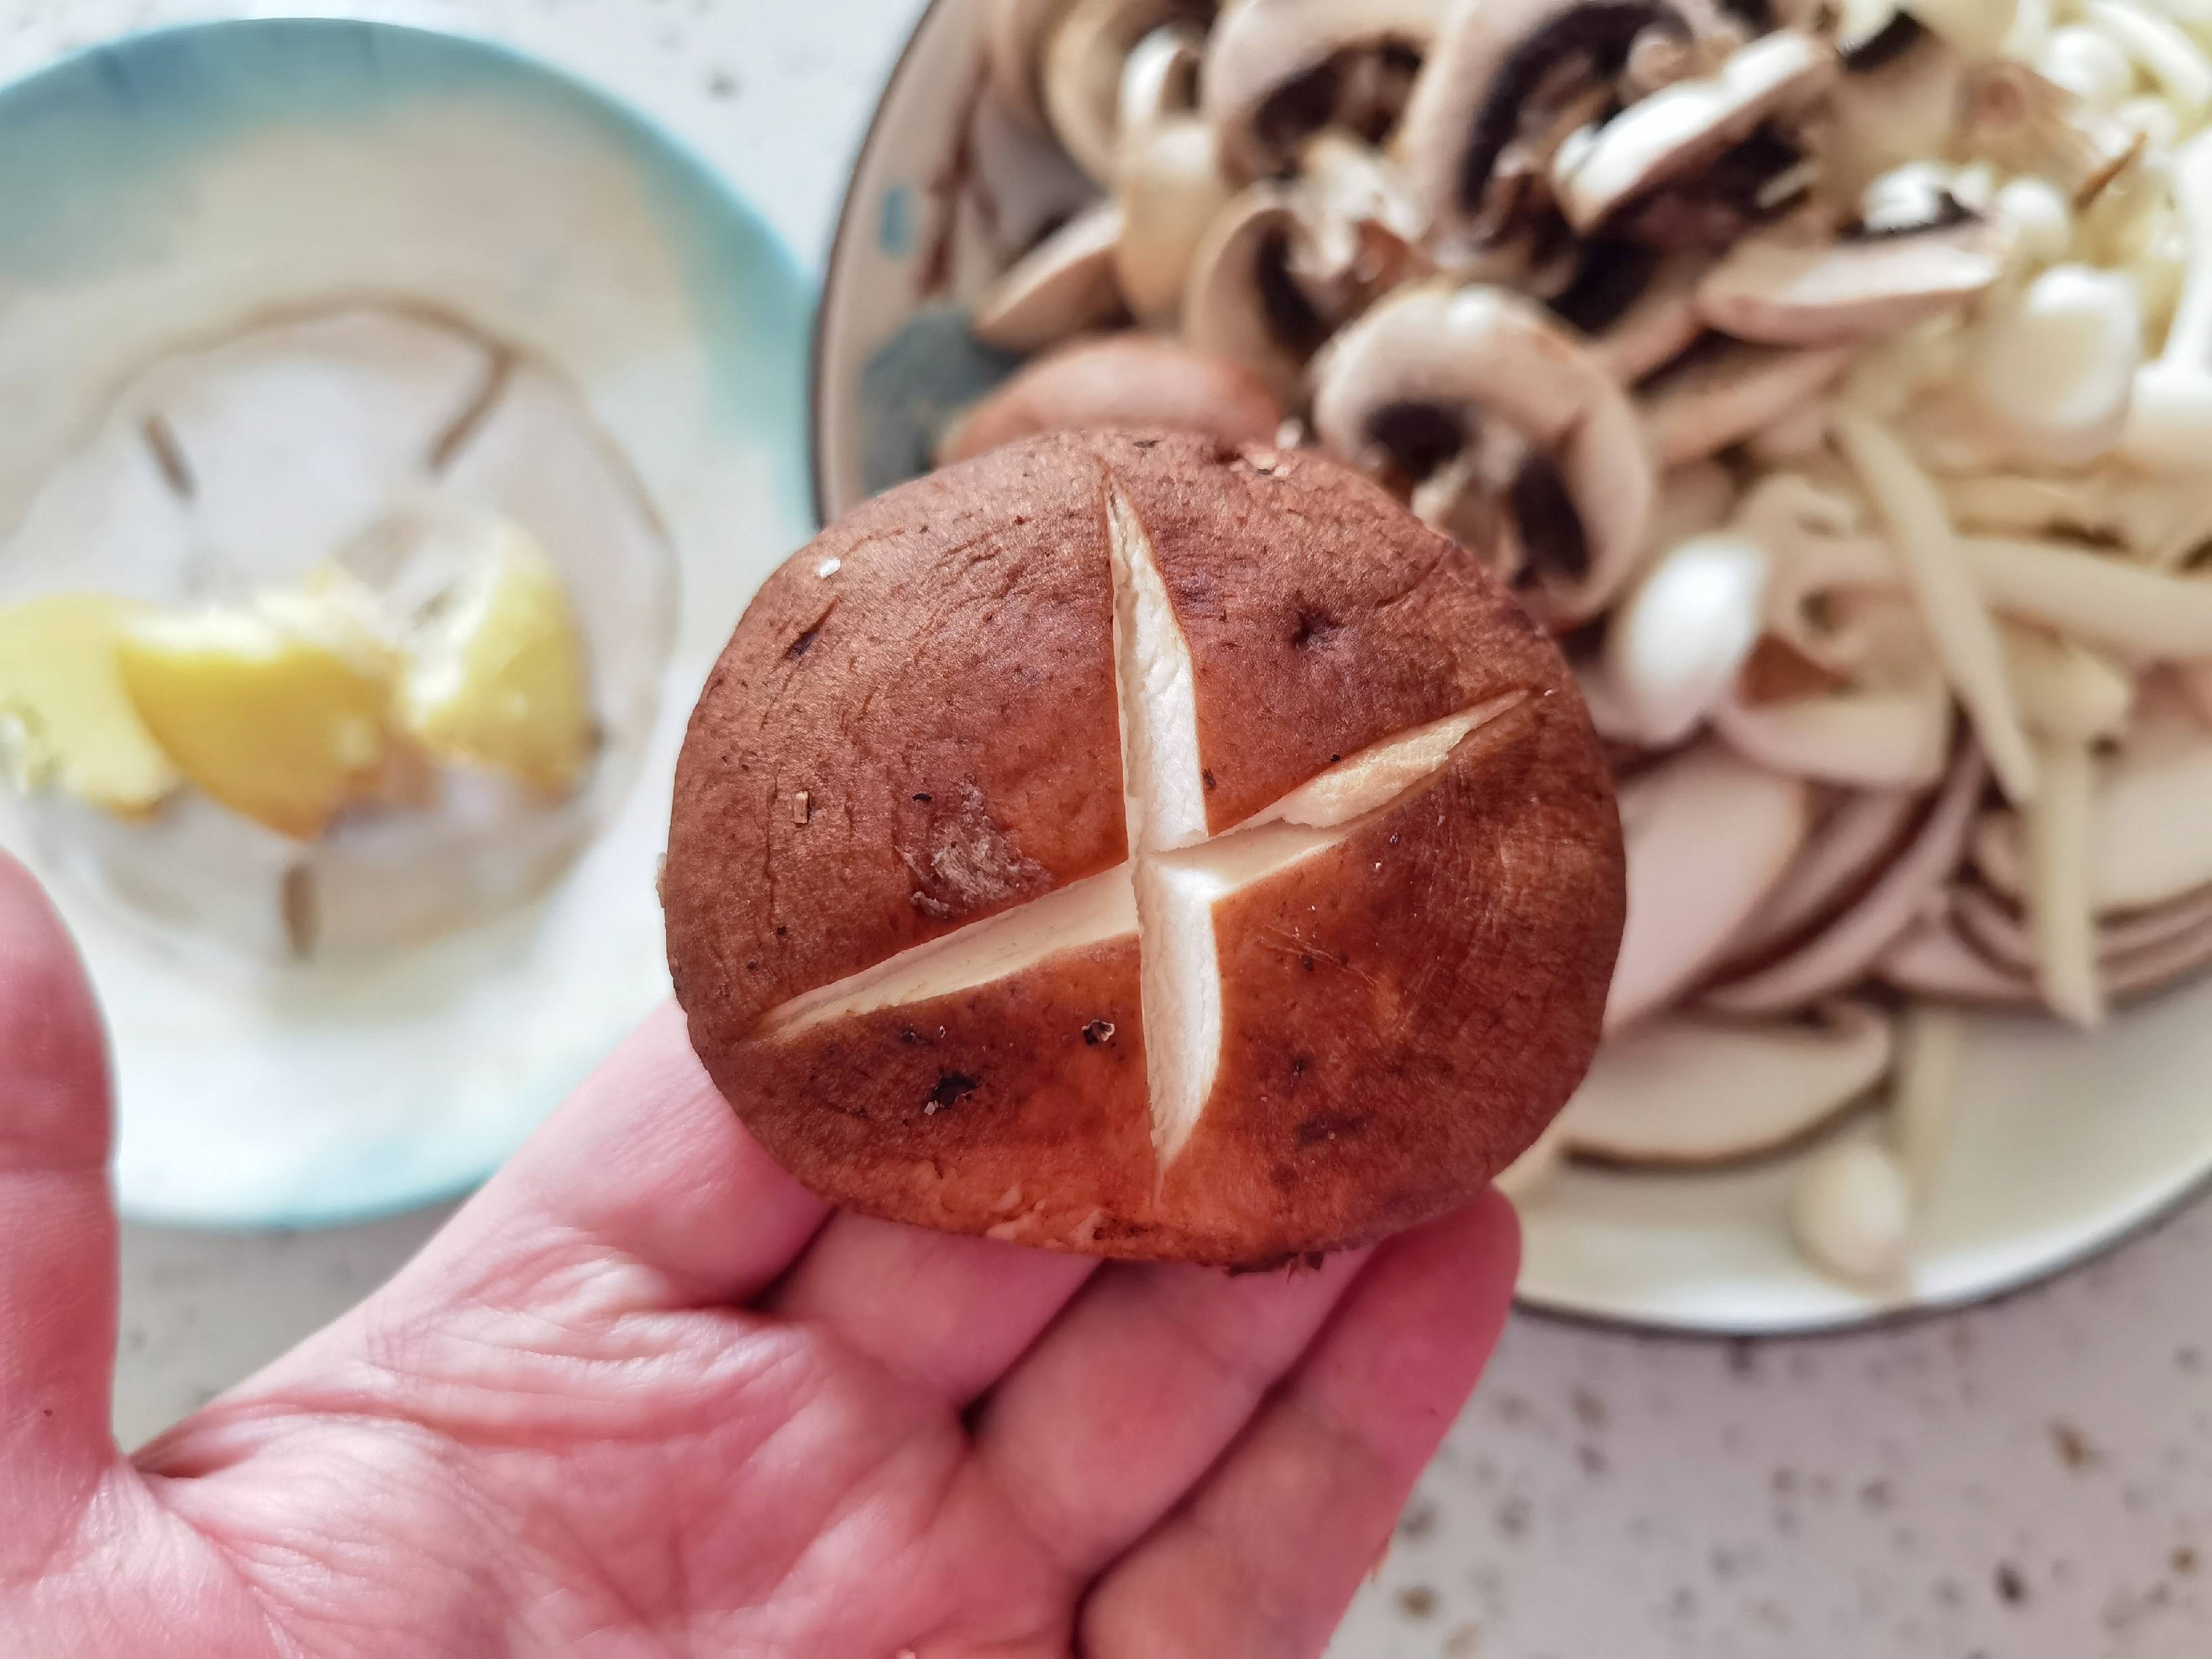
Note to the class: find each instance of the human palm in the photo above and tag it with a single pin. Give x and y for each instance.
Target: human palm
(643, 1395)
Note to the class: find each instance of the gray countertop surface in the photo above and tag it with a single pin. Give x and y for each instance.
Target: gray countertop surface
(2028, 1480)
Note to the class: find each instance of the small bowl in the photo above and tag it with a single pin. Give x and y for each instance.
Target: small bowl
(315, 235)
(2063, 1145)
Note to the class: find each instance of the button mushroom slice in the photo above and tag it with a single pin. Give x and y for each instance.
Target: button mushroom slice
(1279, 71)
(1720, 391)
(1840, 953)
(2148, 842)
(1676, 643)
(1159, 81)
(1014, 36)
(1708, 836)
(1691, 1090)
(1791, 286)
(1497, 69)
(1638, 304)
(1897, 101)
(1084, 59)
(1444, 360)
(1170, 189)
(1681, 128)
(1127, 380)
(1243, 302)
(1060, 287)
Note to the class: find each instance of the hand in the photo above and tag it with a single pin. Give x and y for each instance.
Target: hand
(643, 1395)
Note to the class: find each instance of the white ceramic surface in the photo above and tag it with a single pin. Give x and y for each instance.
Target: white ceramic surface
(2063, 1143)
(185, 187)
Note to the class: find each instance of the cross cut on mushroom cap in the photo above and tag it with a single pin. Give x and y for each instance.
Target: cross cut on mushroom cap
(1205, 860)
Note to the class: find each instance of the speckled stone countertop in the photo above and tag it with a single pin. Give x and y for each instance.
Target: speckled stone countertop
(2032, 1480)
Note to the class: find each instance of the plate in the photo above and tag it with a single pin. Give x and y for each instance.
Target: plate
(313, 222)
(2062, 1144)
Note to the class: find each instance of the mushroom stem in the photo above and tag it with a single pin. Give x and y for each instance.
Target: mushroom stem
(2092, 595)
(1931, 1042)
(2169, 424)
(1958, 619)
(2066, 691)
(2061, 909)
(2160, 49)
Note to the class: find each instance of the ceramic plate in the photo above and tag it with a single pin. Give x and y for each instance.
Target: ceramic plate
(253, 273)
(2064, 1144)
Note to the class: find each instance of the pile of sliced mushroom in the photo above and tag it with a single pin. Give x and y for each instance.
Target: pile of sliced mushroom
(1838, 387)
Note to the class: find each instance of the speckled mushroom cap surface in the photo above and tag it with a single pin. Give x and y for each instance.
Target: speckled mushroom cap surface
(1143, 846)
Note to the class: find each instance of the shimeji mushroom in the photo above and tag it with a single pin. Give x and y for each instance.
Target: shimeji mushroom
(2169, 420)
(1675, 642)
(2051, 367)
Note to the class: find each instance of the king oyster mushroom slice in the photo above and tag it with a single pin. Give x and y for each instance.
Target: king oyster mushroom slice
(2148, 844)
(2000, 930)
(1720, 391)
(1691, 1090)
(1681, 128)
(1838, 952)
(1931, 958)
(1412, 384)
(1279, 71)
(1862, 832)
(1796, 285)
(1502, 72)
(1085, 57)
(1884, 724)
(1060, 288)
(1708, 836)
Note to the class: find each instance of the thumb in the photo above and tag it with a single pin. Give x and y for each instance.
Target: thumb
(58, 1274)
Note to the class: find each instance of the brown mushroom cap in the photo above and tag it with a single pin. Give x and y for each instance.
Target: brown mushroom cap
(929, 736)
(1130, 381)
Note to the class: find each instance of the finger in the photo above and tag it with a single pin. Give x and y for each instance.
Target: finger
(1266, 1553)
(646, 1167)
(945, 1313)
(1130, 1397)
(57, 1242)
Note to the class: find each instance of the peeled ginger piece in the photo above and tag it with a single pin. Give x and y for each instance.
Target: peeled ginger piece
(498, 678)
(276, 708)
(66, 717)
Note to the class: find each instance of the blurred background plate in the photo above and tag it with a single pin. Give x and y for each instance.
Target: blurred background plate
(193, 186)
(2064, 1144)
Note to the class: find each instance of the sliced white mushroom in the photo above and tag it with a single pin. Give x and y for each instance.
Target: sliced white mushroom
(1673, 646)
(1064, 285)
(1708, 835)
(1084, 56)
(1159, 83)
(1838, 954)
(1692, 1089)
(1680, 127)
(1719, 394)
(1657, 326)
(1244, 302)
(2147, 839)
(2053, 365)
(1438, 362)
(1955, 612)
(1932, 959)
(1277, 73)
(1014, 36)
(1170, 189)
(1796, 285)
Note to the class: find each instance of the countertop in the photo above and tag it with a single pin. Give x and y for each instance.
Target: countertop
(2029, 1480)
